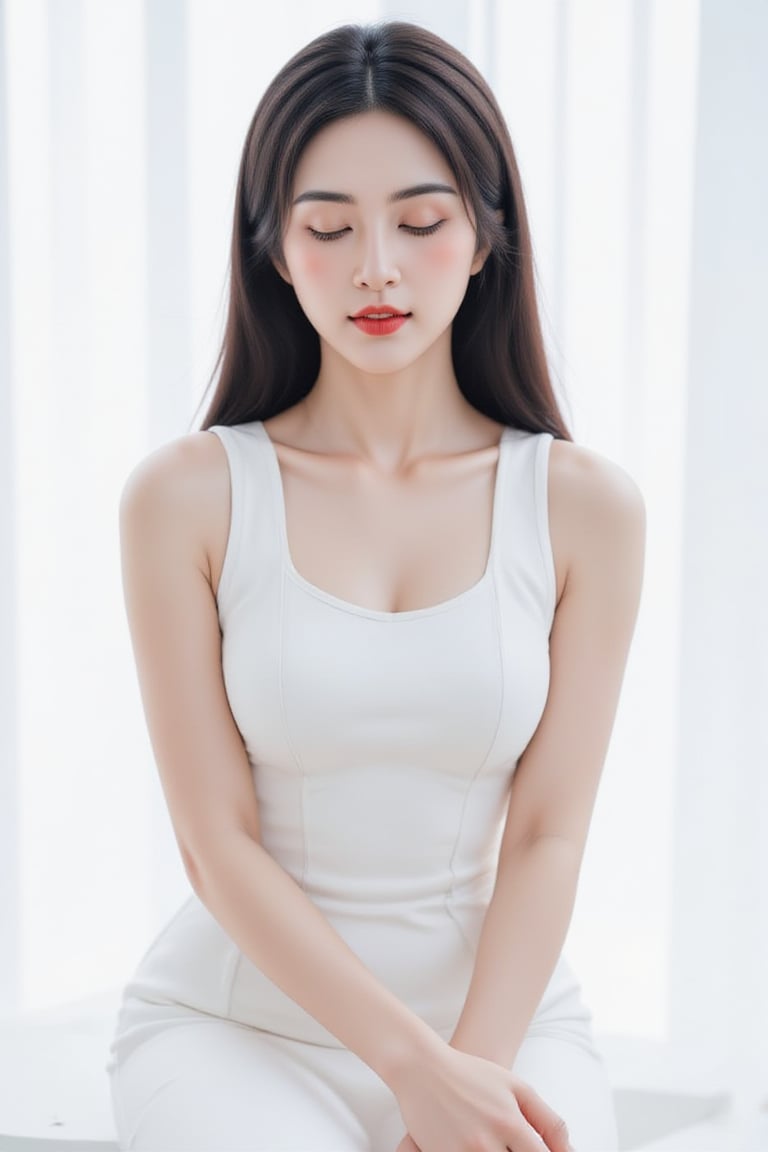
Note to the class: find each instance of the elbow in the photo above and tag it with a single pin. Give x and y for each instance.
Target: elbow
(553, 845)
(191, 867)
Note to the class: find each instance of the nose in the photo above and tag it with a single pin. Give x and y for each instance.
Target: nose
(376, 267)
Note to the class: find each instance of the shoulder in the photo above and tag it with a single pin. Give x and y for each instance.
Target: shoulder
(590, 484)
(181, 489)
(177, 472)
(597, 510)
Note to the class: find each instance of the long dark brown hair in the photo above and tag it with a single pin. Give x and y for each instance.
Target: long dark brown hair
(270, 355)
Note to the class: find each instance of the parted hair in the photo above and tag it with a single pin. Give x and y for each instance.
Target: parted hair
(270, 353)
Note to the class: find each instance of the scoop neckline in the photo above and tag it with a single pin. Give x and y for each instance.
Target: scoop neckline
(359, 609)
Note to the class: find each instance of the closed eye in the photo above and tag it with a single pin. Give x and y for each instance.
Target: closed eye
(328, 235)
(412, 229)
(426, 231)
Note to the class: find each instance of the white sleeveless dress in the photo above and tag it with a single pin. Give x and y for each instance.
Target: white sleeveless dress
(383, 746)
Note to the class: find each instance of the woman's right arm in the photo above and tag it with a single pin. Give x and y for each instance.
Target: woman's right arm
(173, 506)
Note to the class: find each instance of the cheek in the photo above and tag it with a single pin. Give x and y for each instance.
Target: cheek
(308, 264)
(449, 255)
(313, 265)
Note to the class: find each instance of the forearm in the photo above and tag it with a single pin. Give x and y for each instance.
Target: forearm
(279, 928)
(521, 939)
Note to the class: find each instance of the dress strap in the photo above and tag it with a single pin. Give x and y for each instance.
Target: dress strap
(524, 561)
(252, 562)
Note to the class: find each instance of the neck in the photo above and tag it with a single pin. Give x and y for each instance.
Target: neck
(389, 420)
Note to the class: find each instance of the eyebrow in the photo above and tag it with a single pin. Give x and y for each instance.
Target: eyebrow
(403, 194)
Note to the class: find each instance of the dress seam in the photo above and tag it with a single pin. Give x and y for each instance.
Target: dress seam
(286, 732)
(493, 573)
(233, 963)
(408, 616)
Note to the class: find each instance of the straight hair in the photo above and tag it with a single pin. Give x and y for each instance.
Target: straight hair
(270, 353)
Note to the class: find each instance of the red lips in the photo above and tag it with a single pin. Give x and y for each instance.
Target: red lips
(381, 321)
(381, 310)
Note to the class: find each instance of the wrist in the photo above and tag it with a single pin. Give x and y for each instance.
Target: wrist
(501, 1054)
(415, 1050)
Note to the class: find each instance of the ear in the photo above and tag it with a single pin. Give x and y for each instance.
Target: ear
(483, 253)
(480, 258)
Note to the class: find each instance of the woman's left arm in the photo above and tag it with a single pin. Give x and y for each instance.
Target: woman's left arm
(597, 527)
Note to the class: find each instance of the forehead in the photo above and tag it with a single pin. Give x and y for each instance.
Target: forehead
(376, 152)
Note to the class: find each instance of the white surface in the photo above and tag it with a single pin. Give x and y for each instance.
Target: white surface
(722, 1134)
(55, 1087)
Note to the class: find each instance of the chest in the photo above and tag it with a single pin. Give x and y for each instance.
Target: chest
(389, 543)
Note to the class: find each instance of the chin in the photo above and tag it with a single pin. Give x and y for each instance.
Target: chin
(383, 366)
(382, 361)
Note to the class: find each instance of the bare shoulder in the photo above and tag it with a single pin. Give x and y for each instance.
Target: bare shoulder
(590, 483)
(596, 509)
(182, 489)
(178, 470)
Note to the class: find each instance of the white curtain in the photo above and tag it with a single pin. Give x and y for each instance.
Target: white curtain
(636, 126)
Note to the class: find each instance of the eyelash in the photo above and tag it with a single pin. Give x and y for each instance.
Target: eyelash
(427, 231)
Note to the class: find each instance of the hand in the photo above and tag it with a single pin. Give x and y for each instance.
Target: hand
(457, 1102)
(407, 1145)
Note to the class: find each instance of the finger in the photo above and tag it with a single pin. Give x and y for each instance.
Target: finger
(407, 1144)
(543, 1119)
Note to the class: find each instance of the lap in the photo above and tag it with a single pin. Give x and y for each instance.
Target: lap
(215, 1085)
(208, 1085)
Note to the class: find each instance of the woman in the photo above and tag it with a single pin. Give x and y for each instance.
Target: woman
(381, 606)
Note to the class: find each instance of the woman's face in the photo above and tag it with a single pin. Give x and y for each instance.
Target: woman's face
(377, 223)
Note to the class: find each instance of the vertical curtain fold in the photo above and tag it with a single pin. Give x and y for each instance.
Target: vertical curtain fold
(10, 905)
(719, 932)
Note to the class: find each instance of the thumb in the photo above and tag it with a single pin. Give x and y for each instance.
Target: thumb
(543, 1119)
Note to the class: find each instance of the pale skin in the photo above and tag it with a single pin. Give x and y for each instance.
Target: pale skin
(386, 467)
